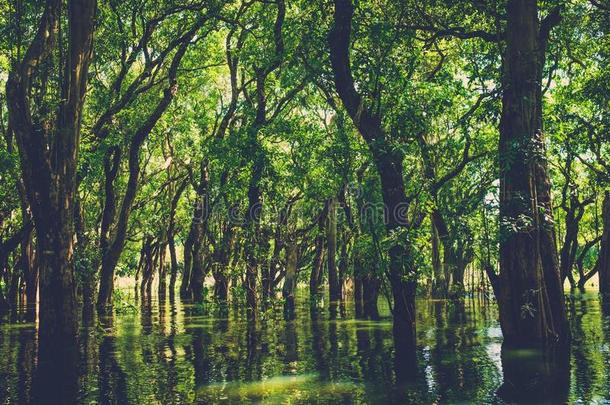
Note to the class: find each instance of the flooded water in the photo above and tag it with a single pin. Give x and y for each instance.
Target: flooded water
(178, 354)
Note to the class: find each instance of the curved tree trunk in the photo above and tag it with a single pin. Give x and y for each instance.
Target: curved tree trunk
(402, 271)
(112, 254)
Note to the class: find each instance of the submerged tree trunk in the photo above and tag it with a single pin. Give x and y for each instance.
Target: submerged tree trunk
(253, 243)
(440, 285)
(11, 278)
(27, 259)
(221, 262)
(188, 263)
(370, 294)
(584, 277)
(48, 163)
(29, 268)
(173, 270)
(334, 287)
(358, 297)
(290, 280)
(317, 266)
(200, 223)
(162, 286)
(530, 295)
(402, 271)
(343, 265)
(543, 376)
(276, 267)
(111, 169)
(148, 267)
(603, 261)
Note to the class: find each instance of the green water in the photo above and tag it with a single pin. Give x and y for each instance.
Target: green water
(179, 353)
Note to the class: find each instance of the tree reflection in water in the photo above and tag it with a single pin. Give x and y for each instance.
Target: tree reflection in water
(173, 353)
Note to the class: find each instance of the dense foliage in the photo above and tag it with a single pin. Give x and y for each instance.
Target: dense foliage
(238, 149)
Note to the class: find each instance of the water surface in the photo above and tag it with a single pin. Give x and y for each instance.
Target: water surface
(180, 353)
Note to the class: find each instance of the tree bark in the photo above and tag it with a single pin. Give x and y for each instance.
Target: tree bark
(334, 288)
(531, 300)
(162, 285)
(343, 265)
(603, 261)
(253, 239)
(200, 223)
(370, 294)
(358, 296)
(439, 285)
(171, 234)
(11, 278)
(290, 280)
(317, 266)
(111, 169)
(148, 265)
(188, 263)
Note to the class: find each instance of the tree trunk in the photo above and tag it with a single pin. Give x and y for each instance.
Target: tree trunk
(388, 160)
(343, 266)
(358, 296)
(222, 258)
(48, 163)
(569, 248)
(27, 260)
(200, 223)
(188, 264)
(221, 286)
(603, 261)
(290, 280)
(317, 266)
(334, 288)
(439, 286)
(173, 272)
(162, 286)
(148, 268)
(270, 273)
(253, 239)
(370, 294)
(111, 169)
(30, 271)
(531, 300)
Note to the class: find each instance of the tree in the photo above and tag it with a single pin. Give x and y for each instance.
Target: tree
(530, 294)
(389, 165)
(48, 149)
